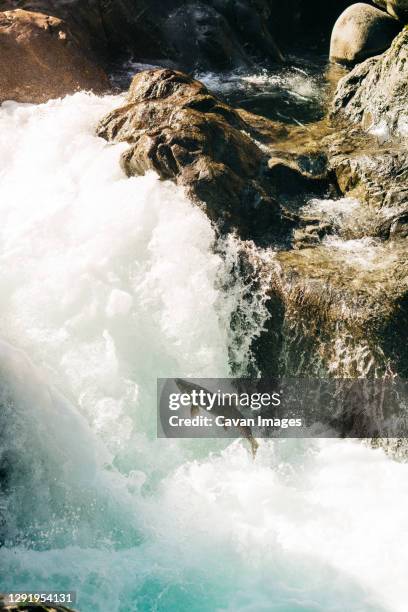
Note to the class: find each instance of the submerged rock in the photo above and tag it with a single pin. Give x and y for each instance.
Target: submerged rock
(175, 127)
(42, 59)
(361, 31)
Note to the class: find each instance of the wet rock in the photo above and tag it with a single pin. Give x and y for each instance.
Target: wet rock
(311, 235)
(175, 127)
(370, 160)
(375, 175)
(396, 8)
(360, 32)
(42, 59)
(298, 175)
(374, 94)
(394, 226)
(345, 308)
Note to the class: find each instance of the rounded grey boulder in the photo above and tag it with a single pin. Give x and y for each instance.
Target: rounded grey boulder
(360, 32)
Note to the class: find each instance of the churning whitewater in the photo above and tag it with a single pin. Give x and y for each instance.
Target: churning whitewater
(107, 283)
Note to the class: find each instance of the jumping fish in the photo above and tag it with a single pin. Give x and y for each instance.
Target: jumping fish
(230, 412)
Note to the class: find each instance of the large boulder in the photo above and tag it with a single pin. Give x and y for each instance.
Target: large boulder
(360, 32)
(175, 127)
(396, 8)
(202, 38)
(220, 36)
(375, 93)
(42, 59)
(178, 129)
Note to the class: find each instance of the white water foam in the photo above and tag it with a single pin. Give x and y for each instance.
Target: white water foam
(108, 283)
(364, 253)
(295, 82)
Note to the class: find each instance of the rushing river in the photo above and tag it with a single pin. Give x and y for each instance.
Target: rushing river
(107, 283)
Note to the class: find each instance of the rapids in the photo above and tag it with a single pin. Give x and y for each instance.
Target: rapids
(107, 283)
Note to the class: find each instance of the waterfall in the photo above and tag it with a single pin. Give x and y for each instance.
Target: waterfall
(107, 283)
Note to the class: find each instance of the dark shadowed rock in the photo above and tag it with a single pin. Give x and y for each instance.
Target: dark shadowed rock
(317, 17)
(42, 59)
(204, 34)
(207, 34)
(220, 37)
(361, 31)
(202, 37)
(396, 8)
(257, 23)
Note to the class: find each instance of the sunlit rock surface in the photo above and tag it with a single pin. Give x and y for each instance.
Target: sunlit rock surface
(374, 94)
(360, 32)
(43, 59)
(177, 128)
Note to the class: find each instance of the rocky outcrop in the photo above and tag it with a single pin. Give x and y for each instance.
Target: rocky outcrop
(360, 32)
(203, 34)
(178, 129)
(345, 308)
(343, 293)
(42, 59)
(376, 176)
(208, 34)
(175, 127)
(368, 152)
(396, 8)
(224, 36)
(374, 94)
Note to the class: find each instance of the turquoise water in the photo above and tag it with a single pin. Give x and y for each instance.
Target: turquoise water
(107, 283)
